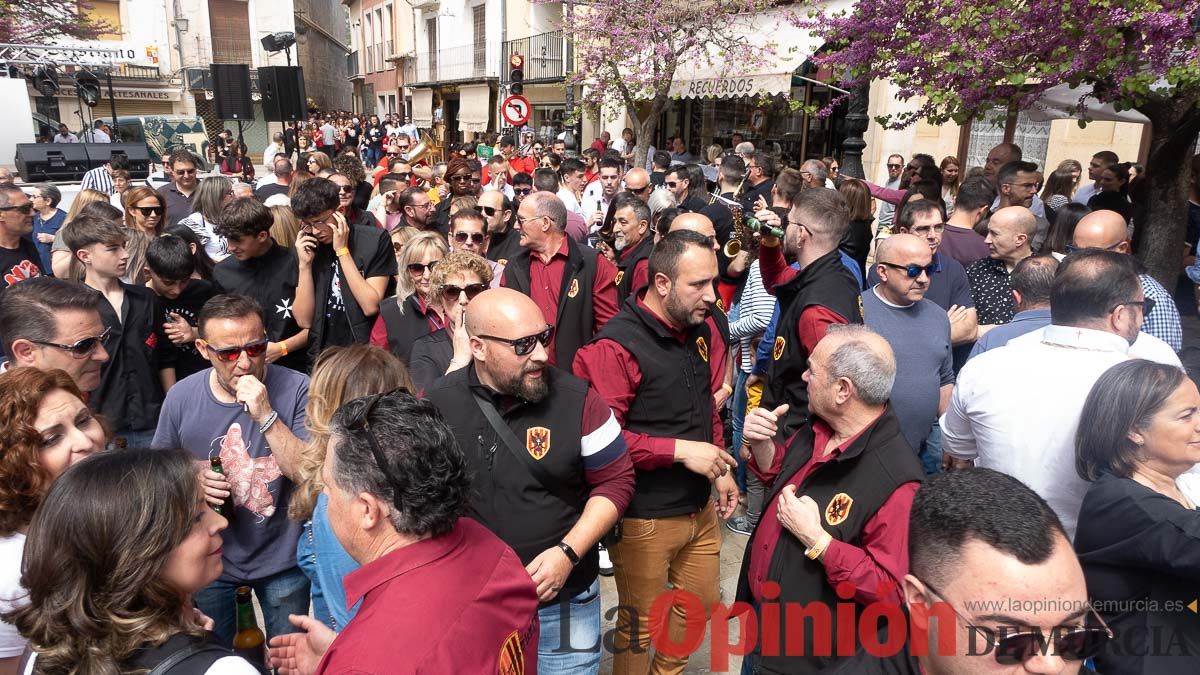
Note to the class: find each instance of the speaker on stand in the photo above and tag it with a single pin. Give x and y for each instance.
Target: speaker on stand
(283, 96)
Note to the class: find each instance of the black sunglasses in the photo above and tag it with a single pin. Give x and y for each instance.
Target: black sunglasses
(1071, 643)
(1072, 248)
(638, 191)
(393, 154)
(231, 354)
(912, 270)
(24, 209)
(671, 184)
(524, 192)
(461, 178)
(1147, 305)
(475, 237)
(148, 211)
(404, 176)
(451, 293)
(346, 189)
(376, 451)
(488, 211)
(523, 345)
(79, 347)
(420, 268)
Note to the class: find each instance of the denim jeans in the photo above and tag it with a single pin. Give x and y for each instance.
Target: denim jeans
(931, 451)
(279, 595)
(578, 651)
(737, 413)
(136, 439)
(326, 564)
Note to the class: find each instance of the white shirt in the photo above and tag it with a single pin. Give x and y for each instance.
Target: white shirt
(269, 155)
(12, 593)
(69, 138)
(1146, 346)
(96, 136)
(619, 145)
(226, 665)
(568, 200)
(1016, 410)
(409, 130)
(328, 134)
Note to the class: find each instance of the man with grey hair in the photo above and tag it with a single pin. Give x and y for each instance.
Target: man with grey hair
(822, 292)
(398, 488)
(814, 173)
(573, 285)
(842, 489)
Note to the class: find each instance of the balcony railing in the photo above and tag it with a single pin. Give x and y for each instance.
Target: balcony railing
(458, 63)
(545, 56)
(128, 72)
(352, 64)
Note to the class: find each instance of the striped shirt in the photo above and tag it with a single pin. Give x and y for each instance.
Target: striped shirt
(753, 314)
(98, 179)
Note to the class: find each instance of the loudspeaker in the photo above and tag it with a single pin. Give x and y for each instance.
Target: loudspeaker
(48, 162)
(137, 156)
(282, 89)
(231, 91)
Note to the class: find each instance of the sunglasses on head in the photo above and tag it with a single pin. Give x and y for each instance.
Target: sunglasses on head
(488, 211)
(475, 237)
(416, 269)
(523, 345)
(148, 211)
(231, 354)
(79, 347)
(912, 270)
(451, 293)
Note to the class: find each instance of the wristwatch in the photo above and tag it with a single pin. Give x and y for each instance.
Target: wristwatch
(570, 552)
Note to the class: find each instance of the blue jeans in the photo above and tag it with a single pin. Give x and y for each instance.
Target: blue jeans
(279, 595)
(136, 439)
(373, 156)
(931, 451)
(578, 651)
(326, 564)
(737, 413)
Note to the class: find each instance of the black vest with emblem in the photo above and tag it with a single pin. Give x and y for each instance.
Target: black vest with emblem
(674, 400)
(573, 326)
(627, 265)
(405, 323)
(853, 486)
(825, 282)
(504, 246)
(506, 497)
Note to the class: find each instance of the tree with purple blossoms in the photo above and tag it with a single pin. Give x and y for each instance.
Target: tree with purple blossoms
(628, 52)
(963, 58)
(40, 22)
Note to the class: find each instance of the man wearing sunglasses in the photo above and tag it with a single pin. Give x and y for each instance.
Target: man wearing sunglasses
(653, 365)
(895, 167)
(469, 234)
(1107, 230)
(251, 415)
(503, 241)
(919, 333)
(49, 323)
(838, 505)
(573, 285)
(965, 556)
(553, 473)
(179, 192)
(19, 257)
(352, 268)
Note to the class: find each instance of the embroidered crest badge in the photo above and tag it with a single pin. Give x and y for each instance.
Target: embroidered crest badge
(838, 509)
(537, 441)
(702, 347)
(574, 290)
(620, 276)
(777, 349)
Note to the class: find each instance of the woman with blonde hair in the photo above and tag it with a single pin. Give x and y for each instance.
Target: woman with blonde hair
(341, 374)
(145, 211)
(412, 311)
(285, 226)
(456, 281)
(401, 236)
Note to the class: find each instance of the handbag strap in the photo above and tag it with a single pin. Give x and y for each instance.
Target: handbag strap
(509, 440)
(187, 652)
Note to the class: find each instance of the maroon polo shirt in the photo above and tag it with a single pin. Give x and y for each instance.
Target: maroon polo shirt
(459, 603)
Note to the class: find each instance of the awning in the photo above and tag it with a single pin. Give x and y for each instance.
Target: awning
(422, 108)
(1059, 103)
(474, 107)
(787, 47)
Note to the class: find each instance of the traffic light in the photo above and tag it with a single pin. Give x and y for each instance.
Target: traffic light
(88, 87)
(45, 80)
(517, 75)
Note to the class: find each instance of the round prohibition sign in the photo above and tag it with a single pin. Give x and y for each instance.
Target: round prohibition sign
(515, 110)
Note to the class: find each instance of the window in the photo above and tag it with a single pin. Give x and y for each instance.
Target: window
(479, 22)
(229, 24)
(369, 42)
(106, 11)
(431, 36)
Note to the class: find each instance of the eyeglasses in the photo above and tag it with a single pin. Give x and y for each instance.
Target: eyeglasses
(523, 345)
(894, 166)
(521, 220)
(231, 354)
(148, 211)
(1071, 643)
(79, 348)
(925, 230)
(460, 178)
(475, 237)
(417, 269)
(451, 293)
(1147, 305)
(393, 154)
(1072, 248)
(24, 209)
(912, 270)
(488, 211)
(346, 189)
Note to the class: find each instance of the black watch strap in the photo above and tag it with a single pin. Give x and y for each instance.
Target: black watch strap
(570, 552)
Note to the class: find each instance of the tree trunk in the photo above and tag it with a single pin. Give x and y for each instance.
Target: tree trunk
(1175, 125)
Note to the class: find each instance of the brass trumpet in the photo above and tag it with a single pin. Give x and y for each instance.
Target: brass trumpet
(744, 228)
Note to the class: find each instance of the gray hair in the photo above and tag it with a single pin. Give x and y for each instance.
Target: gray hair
(659, 200)
(49, 191)
(818, 170)
(549, 205)
(744, 148)
(872, 374)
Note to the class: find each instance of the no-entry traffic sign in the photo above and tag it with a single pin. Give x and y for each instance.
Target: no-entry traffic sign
(515, 110)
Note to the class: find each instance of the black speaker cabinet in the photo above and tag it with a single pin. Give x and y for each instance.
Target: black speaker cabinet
(48, 162)
(137, 156)
(231, 91)
(282, 89)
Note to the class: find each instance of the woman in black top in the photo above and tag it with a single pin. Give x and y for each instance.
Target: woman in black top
(856, 243)
(1139, 534)
(456, 281)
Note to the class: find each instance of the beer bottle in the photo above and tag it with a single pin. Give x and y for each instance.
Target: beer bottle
(249, 641)
(227, 509)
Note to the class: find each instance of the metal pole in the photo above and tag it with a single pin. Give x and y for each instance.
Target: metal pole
(856, 127)
(112, 102)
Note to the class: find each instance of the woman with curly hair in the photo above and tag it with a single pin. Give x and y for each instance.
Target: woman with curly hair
(351, 167)
(47, 427)
(341, 374)
(455, 282)
(115, 552)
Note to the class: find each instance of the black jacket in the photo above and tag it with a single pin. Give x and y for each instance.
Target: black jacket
(130, 394)
(576, 316)
(430, 357)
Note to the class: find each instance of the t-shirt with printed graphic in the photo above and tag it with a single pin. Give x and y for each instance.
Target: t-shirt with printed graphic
(187, 305)
(261, 540)
(337, 324)
(20, 263)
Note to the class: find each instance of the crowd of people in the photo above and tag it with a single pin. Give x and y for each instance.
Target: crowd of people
(418, 408)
